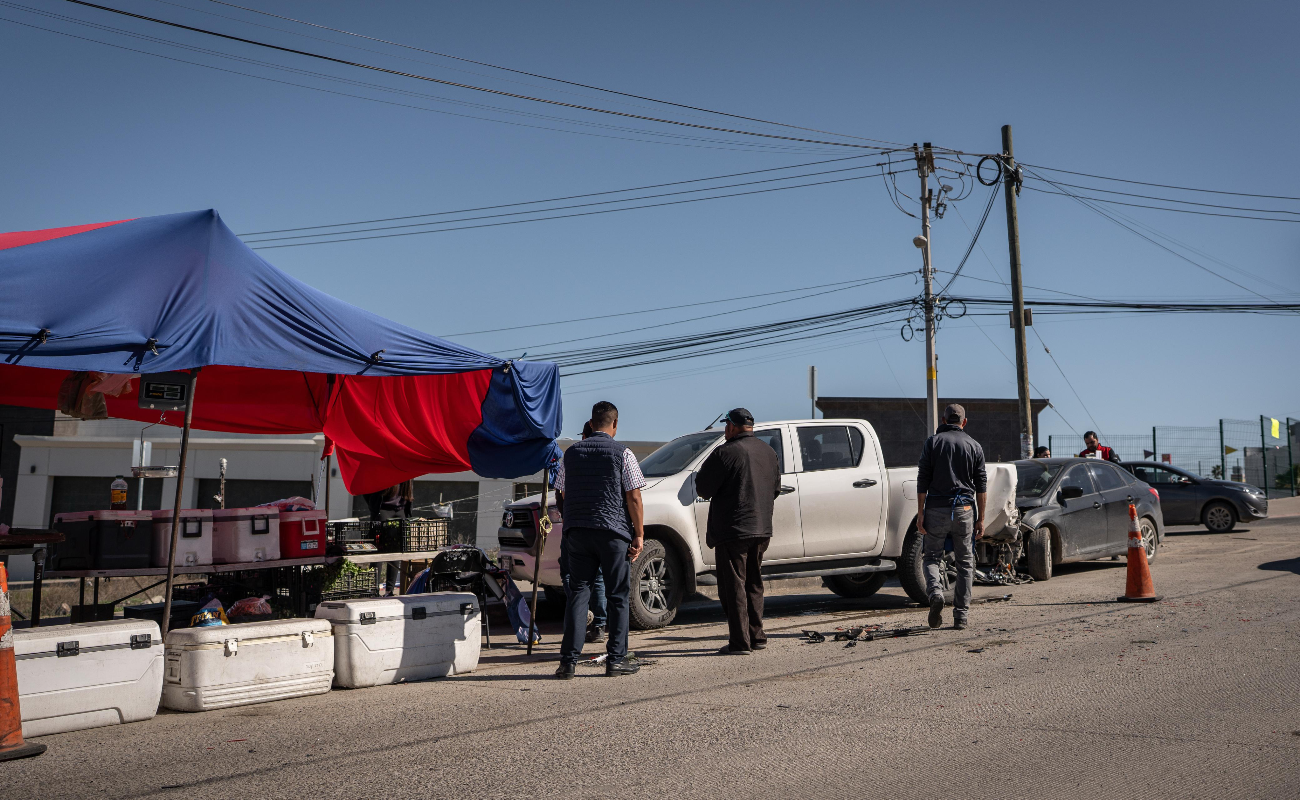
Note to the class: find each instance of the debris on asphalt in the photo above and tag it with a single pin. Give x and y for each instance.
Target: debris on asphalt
(977, 650)
(813, 637)
(1001, 599)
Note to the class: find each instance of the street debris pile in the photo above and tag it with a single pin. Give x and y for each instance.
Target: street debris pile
(870, 633)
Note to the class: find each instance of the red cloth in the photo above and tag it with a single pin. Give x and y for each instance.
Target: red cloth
(384, 429)
(20, 238)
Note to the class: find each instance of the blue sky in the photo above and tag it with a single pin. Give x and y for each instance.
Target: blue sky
(1186, 94)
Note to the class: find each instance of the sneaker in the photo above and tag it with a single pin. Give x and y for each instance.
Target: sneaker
(959, 624)
(726, 650)
(566, 671)
(760, 645)
(936, 611)
(595, 633)
(627, 666)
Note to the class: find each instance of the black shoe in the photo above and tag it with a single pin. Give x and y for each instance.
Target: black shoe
(936, 611)
(628, 666)
(959, 624)
(726, 650)
(760, 645)
(566, 671)
(595, 634)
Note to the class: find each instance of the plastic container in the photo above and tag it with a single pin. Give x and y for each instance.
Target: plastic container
(302, 534)
(193, 539)
(103, 540)
(72, 677)
(397, 639)
(118, 491)
(182, 612)
(256, 662)
(412, 535)
(245, 535)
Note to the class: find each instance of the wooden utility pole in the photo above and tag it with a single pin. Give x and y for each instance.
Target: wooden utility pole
(1011, 186)
(925, 166)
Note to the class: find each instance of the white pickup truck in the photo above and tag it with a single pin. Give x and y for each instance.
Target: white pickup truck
(841, 516)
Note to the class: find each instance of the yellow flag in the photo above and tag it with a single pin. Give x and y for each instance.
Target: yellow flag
(1276, 434)
(1227, 451)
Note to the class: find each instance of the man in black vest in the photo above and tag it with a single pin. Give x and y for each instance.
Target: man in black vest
(743, 479)
(598, 491)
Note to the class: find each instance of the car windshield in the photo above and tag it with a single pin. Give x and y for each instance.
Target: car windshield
(1035, 477)
(673, 457)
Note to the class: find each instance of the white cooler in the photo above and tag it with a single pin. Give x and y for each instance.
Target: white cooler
(245, 535)
(255, 662)
(193, 538)
(72, 677)
(409, 638)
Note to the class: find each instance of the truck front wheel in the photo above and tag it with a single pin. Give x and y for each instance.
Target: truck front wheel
(857, 586)
(657, 586)
(911, 572)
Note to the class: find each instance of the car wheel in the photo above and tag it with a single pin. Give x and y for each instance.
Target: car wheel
(657, 584)
(1150, 542)
(857, 586)
(911, 570)
(1219, 517)
(1038, 554)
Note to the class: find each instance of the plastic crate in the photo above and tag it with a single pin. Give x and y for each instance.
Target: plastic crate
(343, 581)
(412, 535)
(350, 531)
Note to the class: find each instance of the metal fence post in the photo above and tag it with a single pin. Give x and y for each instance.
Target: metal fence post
(1049, 445)
(1263, 452)
(1223, 454)
(1155, 451)
(1290, 458)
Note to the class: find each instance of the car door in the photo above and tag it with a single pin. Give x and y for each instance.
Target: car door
(1082, 519)
(841, 490)
(1116, 494)
(1180, 500)
(787, 532)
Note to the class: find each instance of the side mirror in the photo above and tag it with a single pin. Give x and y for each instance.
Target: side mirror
(1071, 492)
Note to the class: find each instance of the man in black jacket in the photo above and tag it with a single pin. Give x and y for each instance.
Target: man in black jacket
(950, 483)
(743, 479)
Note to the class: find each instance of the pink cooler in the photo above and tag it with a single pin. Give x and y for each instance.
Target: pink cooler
(302, 534)
(193, 539)
(245, 535)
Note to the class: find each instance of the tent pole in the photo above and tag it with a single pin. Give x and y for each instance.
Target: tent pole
(543, 528)
(176, 507)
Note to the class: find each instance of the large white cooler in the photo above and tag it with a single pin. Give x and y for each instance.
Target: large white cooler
(245, 535)
(255, 662)
(193, 537)
(72, 677)
(410, 638)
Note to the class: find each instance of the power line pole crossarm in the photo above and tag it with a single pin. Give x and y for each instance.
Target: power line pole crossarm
(925, 166)
(1011, 186)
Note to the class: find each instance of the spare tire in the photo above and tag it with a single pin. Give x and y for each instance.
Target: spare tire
(911, 572)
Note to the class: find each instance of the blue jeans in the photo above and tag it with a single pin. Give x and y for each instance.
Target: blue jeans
(593, 552)
(959, 523)
(597, 589)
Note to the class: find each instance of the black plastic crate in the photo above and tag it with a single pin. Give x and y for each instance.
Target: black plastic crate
(351, 531)
(411, 535)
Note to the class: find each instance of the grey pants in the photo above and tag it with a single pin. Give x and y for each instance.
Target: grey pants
(959, 523)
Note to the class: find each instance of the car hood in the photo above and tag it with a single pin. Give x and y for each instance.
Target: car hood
(1231, 485)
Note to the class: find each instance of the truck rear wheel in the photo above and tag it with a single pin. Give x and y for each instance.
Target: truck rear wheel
(657, 586)
(911, 572)
(856, 586)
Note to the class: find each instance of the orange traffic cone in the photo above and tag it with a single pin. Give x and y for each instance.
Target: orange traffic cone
(1139, 588)
(11, 721)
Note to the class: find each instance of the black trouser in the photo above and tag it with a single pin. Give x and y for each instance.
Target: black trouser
(740, 588)
(592, 550)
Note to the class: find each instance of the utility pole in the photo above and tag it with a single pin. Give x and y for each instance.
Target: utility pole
(925, 166)
(812, 391)
(1011, 186)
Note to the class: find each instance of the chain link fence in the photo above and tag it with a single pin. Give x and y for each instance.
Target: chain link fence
(1263, 452)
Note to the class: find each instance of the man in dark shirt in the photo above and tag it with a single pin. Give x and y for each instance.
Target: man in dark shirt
(743, 479)
(1094, 449)
(950, 485)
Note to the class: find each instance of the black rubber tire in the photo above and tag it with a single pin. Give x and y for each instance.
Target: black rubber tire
(662, 559)
(856, 587)
(1214, 522)
(1038, 554)
(911, 572)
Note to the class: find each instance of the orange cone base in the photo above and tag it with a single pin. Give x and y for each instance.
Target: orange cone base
(1127, 599)
(25, 750)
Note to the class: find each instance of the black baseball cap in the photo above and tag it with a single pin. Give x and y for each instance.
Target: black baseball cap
(740, 417)
(954, 414)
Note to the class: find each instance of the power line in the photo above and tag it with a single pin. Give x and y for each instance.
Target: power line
(1162, 208)
(1175, 200)
(974, 238)
(1161, 185)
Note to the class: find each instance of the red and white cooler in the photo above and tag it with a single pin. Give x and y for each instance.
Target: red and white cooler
(302, 534)
(193, 537)
(245, 535)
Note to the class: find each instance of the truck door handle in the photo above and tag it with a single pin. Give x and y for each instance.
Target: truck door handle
(864, 483)
(1130, 498)
(787, 489)
(1096, 505)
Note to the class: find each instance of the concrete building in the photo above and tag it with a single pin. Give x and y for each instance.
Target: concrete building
(900, 423)
(64, 464)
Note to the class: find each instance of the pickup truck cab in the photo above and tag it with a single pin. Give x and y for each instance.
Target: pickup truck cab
(841, 516)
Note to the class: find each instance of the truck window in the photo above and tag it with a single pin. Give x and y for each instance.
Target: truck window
(828, 447)
(673, 457)
(772, 438)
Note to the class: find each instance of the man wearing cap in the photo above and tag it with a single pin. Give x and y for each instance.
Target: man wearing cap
(598, 490)
(742, 478)
(950, 485)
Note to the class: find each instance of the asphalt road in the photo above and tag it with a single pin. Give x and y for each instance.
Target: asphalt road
(1057, 692)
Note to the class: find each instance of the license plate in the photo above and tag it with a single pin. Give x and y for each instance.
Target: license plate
(310, 545)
